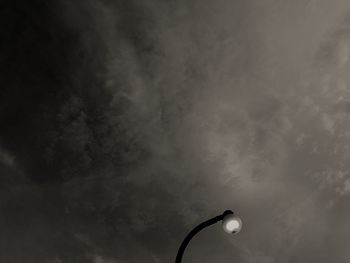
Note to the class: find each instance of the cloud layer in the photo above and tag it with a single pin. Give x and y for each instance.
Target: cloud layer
(125, 123)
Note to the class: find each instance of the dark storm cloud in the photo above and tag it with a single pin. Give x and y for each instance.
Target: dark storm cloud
(124, 123)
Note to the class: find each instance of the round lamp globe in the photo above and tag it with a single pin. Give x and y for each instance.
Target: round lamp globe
(232, 224)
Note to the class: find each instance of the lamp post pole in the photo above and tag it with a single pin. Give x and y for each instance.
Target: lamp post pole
(231, 223)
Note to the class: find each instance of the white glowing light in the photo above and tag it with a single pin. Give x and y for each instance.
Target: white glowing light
(232, 224)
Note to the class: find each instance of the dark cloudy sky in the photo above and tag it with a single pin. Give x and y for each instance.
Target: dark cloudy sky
(125, 123)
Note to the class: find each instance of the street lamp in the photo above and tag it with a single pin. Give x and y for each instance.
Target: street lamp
(231, 224)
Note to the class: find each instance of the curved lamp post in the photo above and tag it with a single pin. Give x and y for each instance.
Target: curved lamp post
(230, 223)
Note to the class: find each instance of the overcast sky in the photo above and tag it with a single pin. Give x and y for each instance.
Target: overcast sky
(126, 123)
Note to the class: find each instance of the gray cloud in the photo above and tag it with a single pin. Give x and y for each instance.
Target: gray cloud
(161, 114)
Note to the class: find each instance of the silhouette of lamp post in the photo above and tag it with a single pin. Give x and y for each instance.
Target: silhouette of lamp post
(230, 223)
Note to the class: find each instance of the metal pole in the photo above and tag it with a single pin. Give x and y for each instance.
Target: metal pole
(195, 231)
